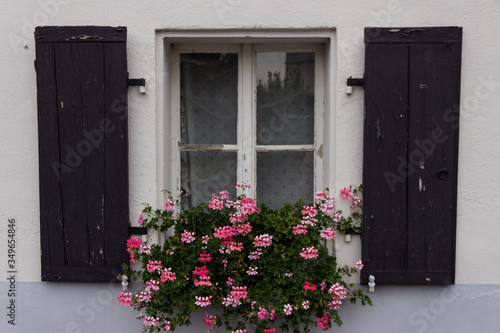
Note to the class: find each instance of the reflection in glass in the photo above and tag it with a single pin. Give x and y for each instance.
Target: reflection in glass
(206, 172)
(209, 97)
(284, 177)
(285, 98)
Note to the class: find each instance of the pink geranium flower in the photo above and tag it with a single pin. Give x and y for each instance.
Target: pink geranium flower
(187, 237)
(328, 233)
(203, 301)
(346, 192)
(263, 240)
(125, 299)
(309, 253)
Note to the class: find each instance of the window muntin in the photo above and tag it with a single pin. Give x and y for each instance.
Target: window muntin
(278, 132)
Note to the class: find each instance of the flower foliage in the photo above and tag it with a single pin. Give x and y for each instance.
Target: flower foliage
(264, 268)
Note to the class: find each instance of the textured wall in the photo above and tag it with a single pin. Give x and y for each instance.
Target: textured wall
(478, 249)
(77, 308)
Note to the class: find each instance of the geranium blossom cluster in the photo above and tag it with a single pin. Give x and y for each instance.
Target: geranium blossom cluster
(152, 285)
(326, 202)
(309, 286)
(239, 292)
(187, 237)
(231, 301)
(202, 272)
(153, 265)
(151, 321)
(328, 233)
(131, 244)
(263, 240)
(209, 320)
(309, 215)
(125, 299)
(346, 192)
(324, 322)
(299, 229)
(145, 249)
(338, 292)
(167, 275)
(255, 255)
(309, 253)
(264, 314)
(252, 271)
(144, 296)
(203, 301)
(169, 204)
(228, 246)
(205, 257)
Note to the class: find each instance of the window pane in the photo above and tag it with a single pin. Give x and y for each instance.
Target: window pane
(285, 98)
(207, 172)
(284, 177)
(209, 97)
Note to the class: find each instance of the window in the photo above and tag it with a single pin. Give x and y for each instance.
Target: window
(247, 113)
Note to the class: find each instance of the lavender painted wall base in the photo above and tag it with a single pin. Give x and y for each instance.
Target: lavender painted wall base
(48, 307)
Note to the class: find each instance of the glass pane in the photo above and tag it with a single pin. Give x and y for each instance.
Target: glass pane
(207, 172)
(285, 177)
(285, 98)
(209, 97)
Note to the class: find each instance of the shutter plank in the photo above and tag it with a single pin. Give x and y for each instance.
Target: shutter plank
(385, 141)
(433, 145)
(116, 155)
(70, 139)
(92, 88)
(80, 34)
(51, 220)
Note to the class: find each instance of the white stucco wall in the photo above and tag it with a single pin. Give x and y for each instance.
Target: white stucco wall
(478, 248)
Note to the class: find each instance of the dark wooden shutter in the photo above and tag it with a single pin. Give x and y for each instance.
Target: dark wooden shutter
(83, 151)
(412, 93)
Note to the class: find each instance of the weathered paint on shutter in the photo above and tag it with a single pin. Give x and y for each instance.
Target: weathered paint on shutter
(83, 151)
(412, 94)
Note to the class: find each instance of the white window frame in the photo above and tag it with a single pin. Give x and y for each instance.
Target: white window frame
(169, 43)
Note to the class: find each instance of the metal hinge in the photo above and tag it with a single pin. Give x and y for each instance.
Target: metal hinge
(141, 83)
(353, 82)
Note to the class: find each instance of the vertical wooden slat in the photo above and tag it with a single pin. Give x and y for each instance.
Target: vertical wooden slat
(92, 89)
(116, 155)
(51, 227)
(385, 143)
(70, 140)
(432, 146)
